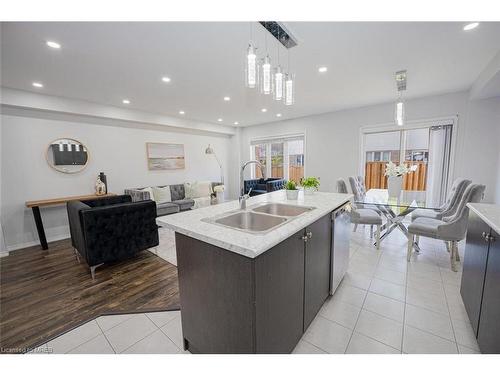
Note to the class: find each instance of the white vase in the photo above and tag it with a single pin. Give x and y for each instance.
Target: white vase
(292, 194)
(309, 190)
(394, 186)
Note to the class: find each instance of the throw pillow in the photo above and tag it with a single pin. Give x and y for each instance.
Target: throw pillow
(189, 190)
(162, 194)
(150, 191)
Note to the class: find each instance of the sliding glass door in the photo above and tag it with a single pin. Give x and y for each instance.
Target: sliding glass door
(282, 157)
(426, 147)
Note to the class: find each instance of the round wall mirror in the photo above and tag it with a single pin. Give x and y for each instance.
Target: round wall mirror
(67, 155)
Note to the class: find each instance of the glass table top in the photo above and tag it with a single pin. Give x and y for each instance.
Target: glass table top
(407, 199)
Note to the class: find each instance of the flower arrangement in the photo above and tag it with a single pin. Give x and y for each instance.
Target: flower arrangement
(290, 185)
(393, 170)
(291, 190)
(310, 184)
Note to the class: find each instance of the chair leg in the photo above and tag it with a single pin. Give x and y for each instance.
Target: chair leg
(457, 255)
(453, 251)
(77, 255)
(355, 227)
(417, 238)
(410, 246)
(92, 270)
(371, 231)
(377, 237)
(448, 245)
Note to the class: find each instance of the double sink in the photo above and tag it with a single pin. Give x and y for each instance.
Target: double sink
(260, 218)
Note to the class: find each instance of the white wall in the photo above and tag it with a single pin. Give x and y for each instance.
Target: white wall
(332, 139)
(119, 152)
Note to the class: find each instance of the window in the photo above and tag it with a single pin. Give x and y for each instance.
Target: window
(277, 159)
(260, 156)
(281, 157)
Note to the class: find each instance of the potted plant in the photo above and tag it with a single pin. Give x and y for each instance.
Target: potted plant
(291, 190)
(310, 184)
(395, 174)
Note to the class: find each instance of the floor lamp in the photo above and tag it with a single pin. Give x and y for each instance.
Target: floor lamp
(210, 151)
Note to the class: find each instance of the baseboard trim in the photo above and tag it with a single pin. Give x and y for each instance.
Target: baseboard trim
(34, 243)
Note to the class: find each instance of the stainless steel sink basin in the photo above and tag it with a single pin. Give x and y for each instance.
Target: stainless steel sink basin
(282, 209)
(251, 221)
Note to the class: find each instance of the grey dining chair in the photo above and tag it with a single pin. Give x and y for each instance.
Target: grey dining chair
(450, 229)
(448, 208)
(364, 216)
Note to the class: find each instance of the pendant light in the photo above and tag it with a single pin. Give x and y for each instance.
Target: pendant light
(251, 75)
(251, 67)
(289, 85)
(278, 76)
(265, 72)
(265, 79)
(399, 110)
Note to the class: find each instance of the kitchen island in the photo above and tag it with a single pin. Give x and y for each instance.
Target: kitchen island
(251, 281)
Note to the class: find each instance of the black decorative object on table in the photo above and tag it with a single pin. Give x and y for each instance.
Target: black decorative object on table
(104, 180)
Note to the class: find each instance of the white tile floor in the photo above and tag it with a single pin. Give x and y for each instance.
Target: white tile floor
(383, 305)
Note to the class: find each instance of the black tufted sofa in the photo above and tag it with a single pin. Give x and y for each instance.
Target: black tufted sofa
(262, 186)
(111, 229)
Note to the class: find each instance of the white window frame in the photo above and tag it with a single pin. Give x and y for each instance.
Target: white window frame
(415, 124)
(286, 158)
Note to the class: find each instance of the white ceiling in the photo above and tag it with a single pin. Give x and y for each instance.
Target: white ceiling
(107, 62)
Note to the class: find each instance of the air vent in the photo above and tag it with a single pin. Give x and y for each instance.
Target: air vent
(280, 32)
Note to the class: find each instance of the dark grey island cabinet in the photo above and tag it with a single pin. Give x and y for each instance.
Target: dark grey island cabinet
(480, 287)
(234, 304)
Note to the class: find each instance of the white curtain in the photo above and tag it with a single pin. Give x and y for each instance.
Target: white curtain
(438, 164)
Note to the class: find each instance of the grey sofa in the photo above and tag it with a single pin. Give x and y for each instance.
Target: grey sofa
(179, 201)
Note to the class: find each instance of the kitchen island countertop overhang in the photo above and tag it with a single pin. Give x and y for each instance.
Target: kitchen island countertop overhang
(193, 223)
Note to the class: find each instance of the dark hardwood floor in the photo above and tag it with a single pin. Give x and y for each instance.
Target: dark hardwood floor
(46, 293)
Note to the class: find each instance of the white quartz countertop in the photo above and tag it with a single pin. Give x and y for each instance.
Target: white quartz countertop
(489, 212)
(190, 223)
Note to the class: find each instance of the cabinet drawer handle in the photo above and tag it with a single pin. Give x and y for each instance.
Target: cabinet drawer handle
(304, 238)
(484, 235)
(309, 235)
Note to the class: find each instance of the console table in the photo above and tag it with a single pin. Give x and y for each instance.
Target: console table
(35, 207)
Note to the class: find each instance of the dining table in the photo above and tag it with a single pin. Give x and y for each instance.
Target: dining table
(395, 208)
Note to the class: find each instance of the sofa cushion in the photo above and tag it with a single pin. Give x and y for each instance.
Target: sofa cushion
(162, 194)
(148, 190)
(184, 204)
(167, 208)
(198, 189)
(177, 192)
(201, 202)
(425, 226)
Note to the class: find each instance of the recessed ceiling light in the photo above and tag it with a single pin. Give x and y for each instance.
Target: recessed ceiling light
(53, 44)
(227, 98)
(166, 79)
(219, 119)
(37, 84)
(263, 110)
(236, 123)
(126, 101)
(471, 26)
(278, 114)
(322, 69)
(181, 112)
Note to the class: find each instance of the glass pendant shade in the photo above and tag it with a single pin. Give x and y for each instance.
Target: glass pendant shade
(266, 79)
(399, 113)
(251, 67)
(289, 89)
(278, 80)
